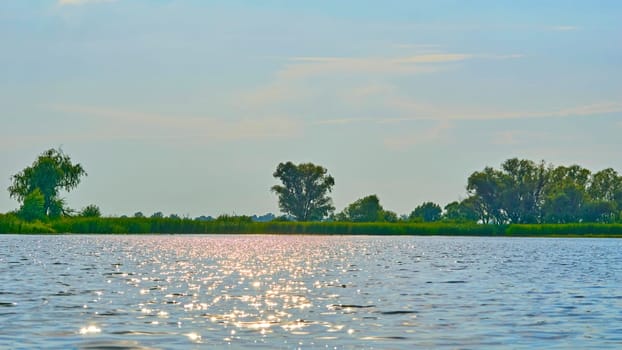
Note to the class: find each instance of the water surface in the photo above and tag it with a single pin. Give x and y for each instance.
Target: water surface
(309, 292)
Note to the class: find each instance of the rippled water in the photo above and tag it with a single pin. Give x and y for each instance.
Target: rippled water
(316, 292)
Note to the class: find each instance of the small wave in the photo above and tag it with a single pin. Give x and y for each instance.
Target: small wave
(385, 338)
(398, 312)
(130, 332)
(350, 306)
(112, 313)
(112, 345)
(63, 294)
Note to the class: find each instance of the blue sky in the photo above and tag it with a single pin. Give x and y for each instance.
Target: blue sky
(187, 106)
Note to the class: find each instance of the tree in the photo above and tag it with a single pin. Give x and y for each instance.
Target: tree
(599, 211)
(565, 205)
(52, 172)
(487, 188)
(91, 211)
(427, 212)
(33, 207)
(389, 216)
(304, 191)
(366, 209)
(514, 194)
(523, 190)
(605, 185)
(461, 211)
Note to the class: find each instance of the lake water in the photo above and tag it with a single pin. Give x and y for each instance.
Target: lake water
(309, 292)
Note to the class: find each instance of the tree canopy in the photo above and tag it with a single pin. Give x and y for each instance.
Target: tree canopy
(366, 209)
(526, 192)
(91, 211)
(303, 194)
(52, 172)
(427, 212)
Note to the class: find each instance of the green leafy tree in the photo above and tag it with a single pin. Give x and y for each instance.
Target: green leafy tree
(389, 216)
(303, 194)
(599, 211)
(91, 211)
(567, 196)
(157, 215)
(487, 187)
(605, 185)
(33, 207)
(426, 212)
(52, 172)
(523, 190)
(565, 204)
(139, 214)
(366, 209)
(461, 211)
(514, 194)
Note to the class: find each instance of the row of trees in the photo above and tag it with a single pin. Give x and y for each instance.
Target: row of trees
(521, 191)
(526, 192)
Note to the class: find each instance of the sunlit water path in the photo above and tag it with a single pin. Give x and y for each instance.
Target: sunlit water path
(309, 292)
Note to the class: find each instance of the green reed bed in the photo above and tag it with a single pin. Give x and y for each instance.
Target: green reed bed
(12, 224)
(241, 225)
(238, 226)
(349, 228)
(572, 229)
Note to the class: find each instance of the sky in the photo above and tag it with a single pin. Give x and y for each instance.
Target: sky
(187, 107)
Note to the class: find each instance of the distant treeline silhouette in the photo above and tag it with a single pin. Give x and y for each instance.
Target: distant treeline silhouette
(498, 201)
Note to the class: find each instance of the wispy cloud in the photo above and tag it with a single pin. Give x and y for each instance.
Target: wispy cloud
(81, 2)
(579, 110)
(519, 137)
(290, 80)
(425, 58)
(140, 125)
(405, 142)
(415, 111)
(305, 67)
(565, 28)
(418, 47)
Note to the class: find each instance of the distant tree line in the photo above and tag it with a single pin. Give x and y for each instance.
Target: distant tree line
(520, 192)
(524, 192)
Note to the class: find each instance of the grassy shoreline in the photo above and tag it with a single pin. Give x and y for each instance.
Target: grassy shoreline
(79, 225)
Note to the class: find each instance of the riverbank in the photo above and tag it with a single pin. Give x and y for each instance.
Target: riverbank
(11, 224)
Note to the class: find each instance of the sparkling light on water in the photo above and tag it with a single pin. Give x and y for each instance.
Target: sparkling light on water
(308, 292)
(90, 330)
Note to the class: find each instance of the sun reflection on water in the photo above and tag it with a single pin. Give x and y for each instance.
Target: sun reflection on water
(242, 283)
(91, 329)
(178, 292)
